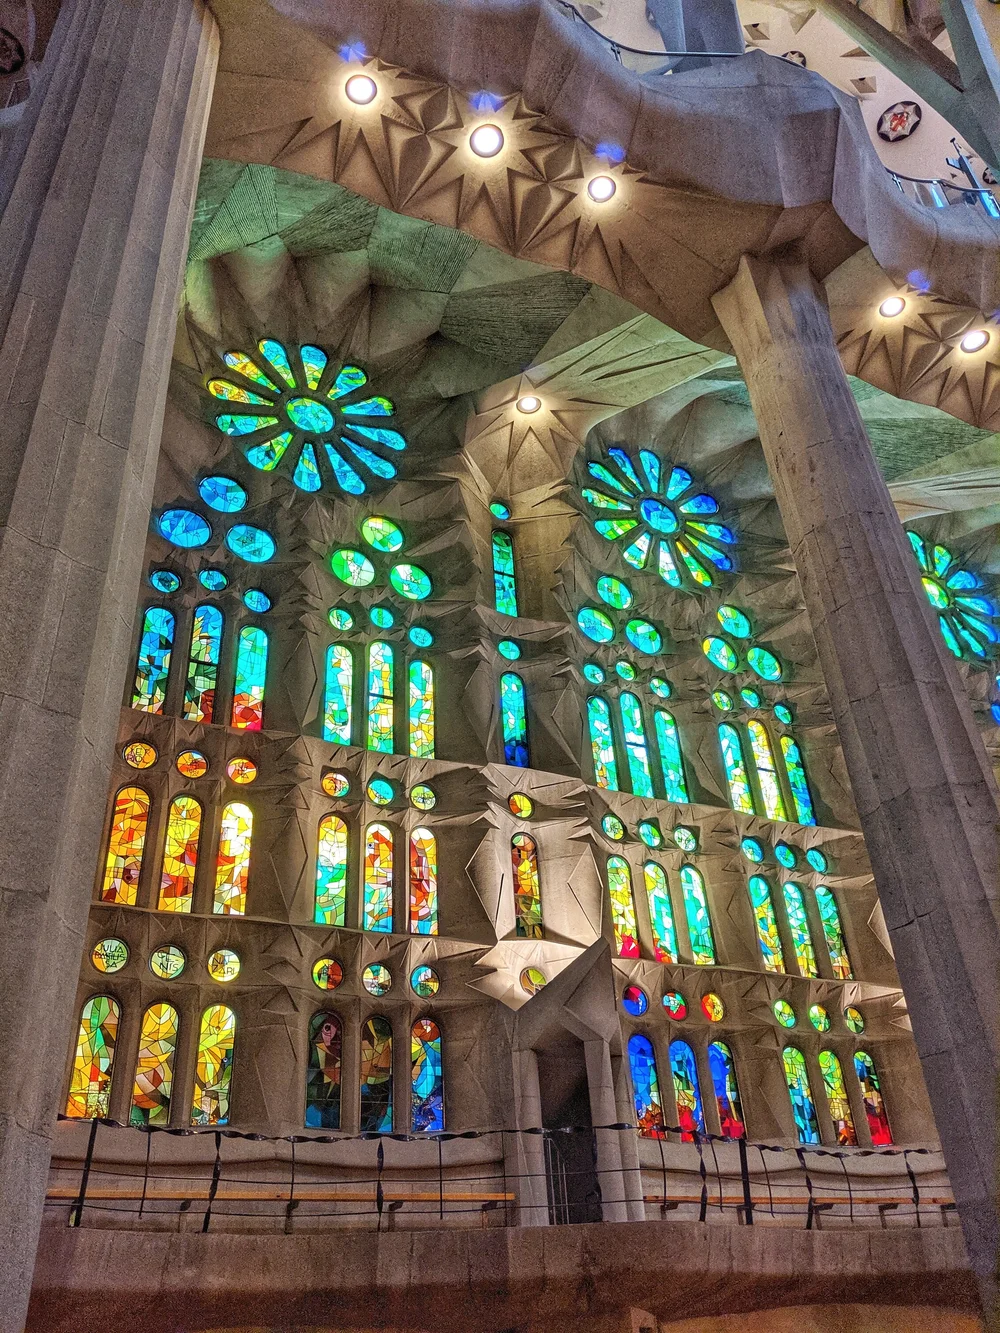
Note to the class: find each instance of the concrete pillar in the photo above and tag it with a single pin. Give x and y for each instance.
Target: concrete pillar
(922, 784)
(96, 194)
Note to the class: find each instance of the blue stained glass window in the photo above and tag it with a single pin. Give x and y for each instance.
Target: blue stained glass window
(635, 745)
(696, 910)
(165, 580)
(184, 528)
(595, 624)
(427, 1078)
(380, 710)
(213, 579)
(687, 1094)
(223, 494)
(255, 599)
(644, 636)
(602, 743)
(740, 794)
(504, 579)
(203, 664)
(800, 1094)
(671, 760)
(645, 1087)
(339, 687)
(153, 664)
(767, 924)
(323, 1077)
(376, 1076)
(253, 544)
(514, 716)
(250, 680)
(727, 1092)
(794, 767)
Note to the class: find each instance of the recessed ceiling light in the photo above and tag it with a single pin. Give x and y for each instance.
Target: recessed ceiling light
(892, 305)
(601, 188)
(529, 403)
(486, 140)
(361, 89)
(975, 340)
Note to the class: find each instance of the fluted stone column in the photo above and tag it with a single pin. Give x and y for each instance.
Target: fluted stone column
(922, 783)
(96, 195)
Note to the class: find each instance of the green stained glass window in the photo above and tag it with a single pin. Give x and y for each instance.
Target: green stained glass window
(751, 697)
(314, 361)
(819, 1018)
(668, 742)
(836, 1096)
(153, 662)
(720, 653)
(90, 1083)
(740, 795)
(514, 720)
(593, 673)
(625, 670)
(649, 832)
(800, 1095)
(696, 910)
(214, 1066)
(411, 582)
(249, 543)
(331, 872)
(661, 913)
(766, 922)
(783, 713)
(381, 617)
(795, 769)
(203, 664)
(184, 528)
(251, 676)
(377, 895)
(722, 701)
(339, 689)
(635, 745)
(622, 907)
(509, 649)
(340, 619)
(817, 860)
(764, 664)
(614, 592)
(644, 636)
(752, 850)
(613, 827)
(223, 494)
(785, 855)
(382, 534)
(499, 510)
(595, 624)
(527, 886)
(422, 797)
(273, 352)
(854, 1020)
(379, 730)
(660, 687)
(685, 838)
(504, 579)
(833, 933)
(784, 1013)
(767, 773)
(421, 716)
(734, 621)
(798, 924)
(352, 567)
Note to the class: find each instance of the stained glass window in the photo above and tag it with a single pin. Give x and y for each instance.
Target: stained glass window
(800, 1094)
(794, 767)
(423, 882)
(684, 1070)
(645, 1087)
(331, 872)
(154, 1069)
(740, 794)
(90, 1083)
(376, 1076)
(339, 687)
(323, 1074)
(661, 913)
(696, 910)
(527, 886)
(635, 745)
(622, 907)
(671, 760)
(214, 1066)
(180, 855)
(203, 664)
(153, 663)
(767, 924)
(504, 583)
(514, 715)
(602, 743)
(232, 866)
(798, 923)
(251, 674)
(378, 878)
(836, 1096)
(833, 933)
(129, 821)
(421, 719)
(727, 1092)
(767, 774)
(871, 1091)
(426, 1078)
(380, 718)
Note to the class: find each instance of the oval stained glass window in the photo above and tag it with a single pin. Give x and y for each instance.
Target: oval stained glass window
(327, 973)
(764, 664)
(376, 979)
(352, 567)
(734, 621)
(593, 673)
(422, 797)
(382, 534)
(783, 713)
(224, 965)
(819, 1018)
(167, 962)
(139, 754)
(191, 764)
(532, 980)
(213, 579)
(685, 838)
(784, 1013)
(520, 805)
(713, 1008)
(250, 543)
(722, 701)
(650, 833)
(335, 784)
(625, 670)
(242, 770)
(644, 636)
(613, 827)
(381, 617)
(165, 580)
(411, 581)
(257, 600)
(752, 850)
(751, 697)
(509, 649)
(420, 637)
(675, 1005)
(109, 955)
(660, 687)
(595, 624)
(854, 1020)
(499, 510)
(424, 981)
(634, 1001)
(340, 619)
(380, 791)
(785, 855)
(184, 528)
(818, 860)
(614, 592)
(720, 653)
(223, 494)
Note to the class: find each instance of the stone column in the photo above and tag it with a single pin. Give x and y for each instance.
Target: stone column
(96, 194)
(922, 784)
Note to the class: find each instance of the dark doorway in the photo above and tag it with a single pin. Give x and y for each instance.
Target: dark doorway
(570, 1158)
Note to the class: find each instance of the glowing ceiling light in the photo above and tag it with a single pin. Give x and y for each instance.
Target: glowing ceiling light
(486, 140)
(891, 306)
(601, 188)
(361, 89)
(975, 340)
(529, 403)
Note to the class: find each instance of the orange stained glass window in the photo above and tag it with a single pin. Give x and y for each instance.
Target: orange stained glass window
(232, 866)
(180, 855)
(90, 1083)
(423, 882)
(527, 886)
(154, 1069)
(129, 821)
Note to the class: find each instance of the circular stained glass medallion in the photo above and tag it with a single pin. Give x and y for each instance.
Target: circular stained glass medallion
(720, 653)
(783, 713)
(165, 580)
(250, 543)
(644, 636)
(784, 1013)
(785, 855)
(818, 860)
(381, 617)
(595, 624)
(625, 670)
(167, 962)
(520, 805)
(420, 637)
(340, 619)
(660, 687)
(650, 833)
(224, 965)
(532, 980)
(327, 973)
(424, 981)
(109, 955)
(614, 592)
(191, 764)
(382, 534)
(593, 673)
(634, 1000)
(722, 701)
(751, 697)
(685, 838)
(380, 791)
(184, 528)
(509, 649)
(854, 1020)
(713, 1008)
(241, 770)
(213, 579)
(752, 850)
(613, 827)
(256, 599)
(309, 415)
(139, 754)
(335, 784)
(422, 797)
(819, 1018)
(411, 581)
(377, 979)
(352, 567)
(734, 621)
(764, 664)
(675, 1005)
(223, 494)
(499, 510)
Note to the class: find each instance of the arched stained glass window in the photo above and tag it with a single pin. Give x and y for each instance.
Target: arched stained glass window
(622, 907)
(696, 910)
(661, 913)
(251, 676)
(214, 1066)
(423, 882)
(90, 1083)
(323, 1074)
(376, 1076)
(767, 773)
(380, 715)
(232, 866)
(800, 1095)
(339, 690)
(740, 795)
(767, 924)
(684, 1070)
(636, 750)
(154, 1068)
(378, 878)
(671, 760)
(836, 1095)
(527, 886)
(795, 769)
(180, 855)
(645, 1087)
(871, 1091)
(421, 719)
(504, 581)
(514, 717)
(833, 933)
(129, 821)
(153, 663)
(331, 872)
(798, 924)
(602, 743)
(203, 664)
(426, 1078)
(727, 1092)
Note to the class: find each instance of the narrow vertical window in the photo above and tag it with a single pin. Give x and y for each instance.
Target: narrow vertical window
(378, 879)
(203, 664)
(213, 1070)
(740, 795)
(153, 663)
(635, 745)
(727, 1092)
(251, 677)
(622, 907)
(339, 689)
(514, 716)
(871, 1091)
(423, 882)
(800, 1095)
(795, 769)
(232, 866)
(767, 773)
(426, 1078)
(129, 821)
(684, 1070)
(323, 1074)
(331, 872)
(833, 933)
(645, 1087)
(661, 913)
(602, 743)
(380, 715)
(154, 1068)
(376, 1076)
(421, 718)
(90, 1084)
(504, 582)
(527, 886)
(767, 924)
(798, 924)
(180, 855)
(668, 742)
(836, 1096)
(699, 923)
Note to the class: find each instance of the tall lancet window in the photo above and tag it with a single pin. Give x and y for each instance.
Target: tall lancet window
(504, 577)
